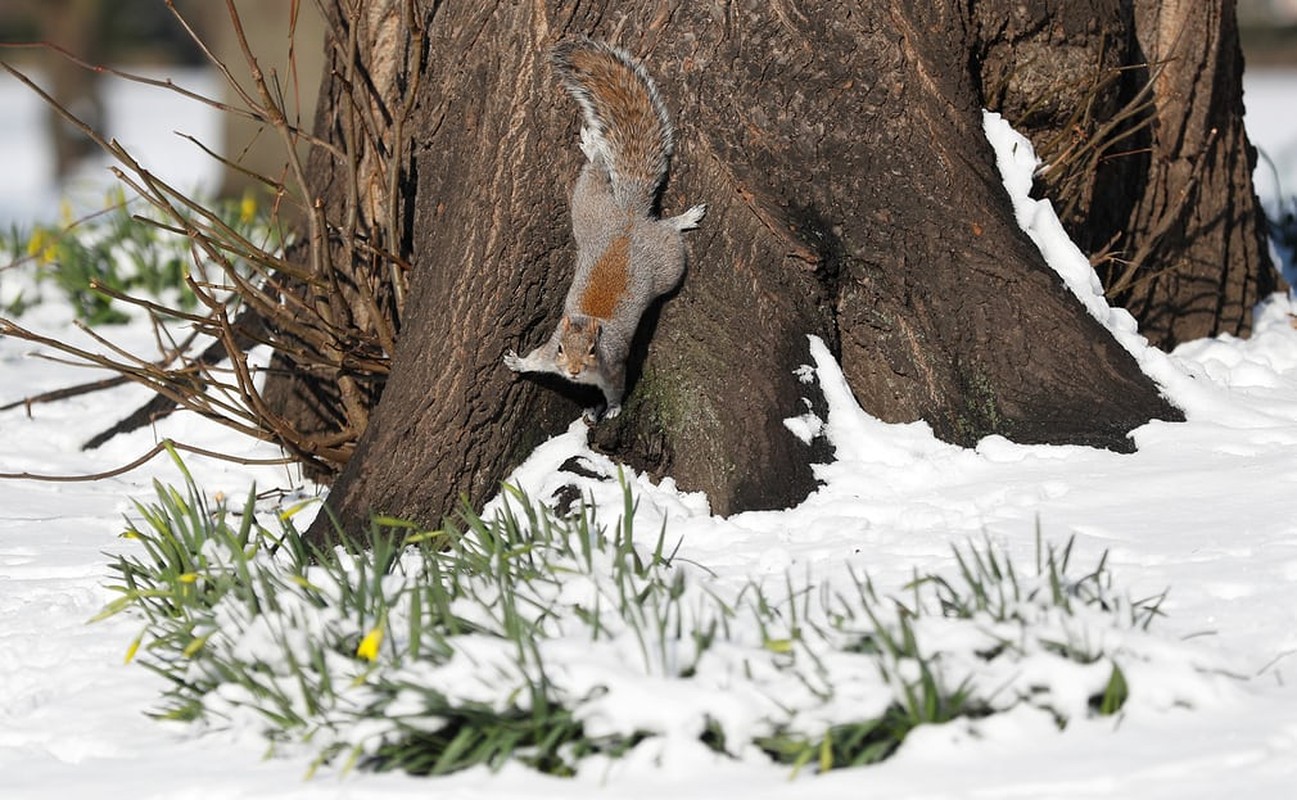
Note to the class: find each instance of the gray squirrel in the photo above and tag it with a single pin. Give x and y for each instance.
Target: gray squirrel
(626, 256)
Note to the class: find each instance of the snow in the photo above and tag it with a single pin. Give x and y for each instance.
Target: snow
(1201, 511)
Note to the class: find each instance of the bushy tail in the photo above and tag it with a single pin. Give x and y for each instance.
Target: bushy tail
(626, 120)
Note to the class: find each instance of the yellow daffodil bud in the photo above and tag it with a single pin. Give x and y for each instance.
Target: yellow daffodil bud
(368, 648)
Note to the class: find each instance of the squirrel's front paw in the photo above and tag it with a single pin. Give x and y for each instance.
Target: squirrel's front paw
(513, 361)
(596, 415)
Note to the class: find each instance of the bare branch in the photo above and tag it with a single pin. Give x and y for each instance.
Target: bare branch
(160, 447)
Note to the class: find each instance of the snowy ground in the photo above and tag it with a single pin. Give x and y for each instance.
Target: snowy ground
(1204, 509)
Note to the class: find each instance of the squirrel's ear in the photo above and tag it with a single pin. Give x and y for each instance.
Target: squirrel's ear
(567, 323)
(596, 327)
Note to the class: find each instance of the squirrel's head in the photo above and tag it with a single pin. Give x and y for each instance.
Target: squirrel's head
(577, 343)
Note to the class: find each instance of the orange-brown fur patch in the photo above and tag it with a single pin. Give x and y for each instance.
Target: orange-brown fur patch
(607, 280)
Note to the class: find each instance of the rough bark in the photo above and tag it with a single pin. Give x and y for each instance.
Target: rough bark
(1137, 110)
(361, 201)
(851, 195)
(1198, 230)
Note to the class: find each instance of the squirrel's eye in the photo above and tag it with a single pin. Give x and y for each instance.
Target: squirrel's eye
(560, 349)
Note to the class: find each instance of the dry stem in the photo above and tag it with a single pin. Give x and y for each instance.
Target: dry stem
(330, 306)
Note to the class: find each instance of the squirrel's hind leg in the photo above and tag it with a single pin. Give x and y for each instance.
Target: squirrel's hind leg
(689, 219)
(591, 144)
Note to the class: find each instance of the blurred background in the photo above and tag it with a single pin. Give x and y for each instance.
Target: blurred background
(47, 163)
(1269, 31)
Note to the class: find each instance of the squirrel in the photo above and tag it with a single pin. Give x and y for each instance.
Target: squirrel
(626, 255)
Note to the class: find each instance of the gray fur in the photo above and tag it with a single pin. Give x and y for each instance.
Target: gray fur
(593, 350)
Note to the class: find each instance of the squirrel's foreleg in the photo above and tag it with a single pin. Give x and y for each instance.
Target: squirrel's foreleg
(612, 382)
(538, 360)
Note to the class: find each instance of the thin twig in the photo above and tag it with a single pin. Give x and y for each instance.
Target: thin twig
(160, 447)
(335, 317)
(65, 393)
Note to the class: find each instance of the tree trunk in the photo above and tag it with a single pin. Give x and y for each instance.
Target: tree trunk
(851, 195)
(1201, 258)
(1137, 111)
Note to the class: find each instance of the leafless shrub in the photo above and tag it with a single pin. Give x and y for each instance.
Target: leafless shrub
(328, 305)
